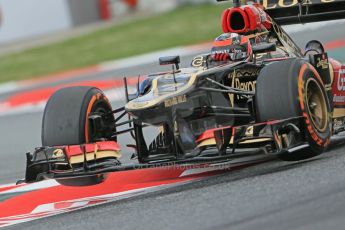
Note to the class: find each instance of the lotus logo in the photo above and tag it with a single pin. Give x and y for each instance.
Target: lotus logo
(58, 153)
(341, 80)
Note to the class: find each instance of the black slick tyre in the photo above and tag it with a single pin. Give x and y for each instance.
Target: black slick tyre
(293, 88)
(65, 118)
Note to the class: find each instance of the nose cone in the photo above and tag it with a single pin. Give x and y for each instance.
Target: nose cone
(167, 90)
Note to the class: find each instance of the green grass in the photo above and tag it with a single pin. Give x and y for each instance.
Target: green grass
(187, 25)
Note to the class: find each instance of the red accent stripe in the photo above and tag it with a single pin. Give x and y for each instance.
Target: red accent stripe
(208, 134)
(75, 150)
(37, 96)
(335, 44)
(61, 75)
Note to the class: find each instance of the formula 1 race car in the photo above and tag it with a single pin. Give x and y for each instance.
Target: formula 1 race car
(256, 92)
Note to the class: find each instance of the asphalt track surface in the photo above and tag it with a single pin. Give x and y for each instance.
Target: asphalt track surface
(273, 195)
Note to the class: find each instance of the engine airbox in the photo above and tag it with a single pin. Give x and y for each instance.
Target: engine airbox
(245, 19)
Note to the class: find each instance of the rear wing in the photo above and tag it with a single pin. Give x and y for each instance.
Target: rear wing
(286, 12)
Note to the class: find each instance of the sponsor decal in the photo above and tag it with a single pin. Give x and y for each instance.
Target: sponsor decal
(323, 63)
(138, 105)
(339, 89)
(243, 79)
(273, 4)
(250, 131)
(247, 86)
(245, 73)
(198, 61)
(338, 98)
(175, 100)
(286, 40)
(341, 80)
(227, 50)
(58, 153)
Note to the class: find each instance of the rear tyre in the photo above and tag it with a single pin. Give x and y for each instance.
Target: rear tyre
(65, 118)
(292, 88)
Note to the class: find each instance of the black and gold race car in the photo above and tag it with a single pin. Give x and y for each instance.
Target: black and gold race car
(256, 92)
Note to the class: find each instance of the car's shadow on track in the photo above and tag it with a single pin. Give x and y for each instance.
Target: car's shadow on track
(256, 170)
(273, 165)
(337, 142)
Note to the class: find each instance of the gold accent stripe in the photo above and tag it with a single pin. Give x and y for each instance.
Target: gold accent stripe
(338, 112)
(207, 142)
(91, 156)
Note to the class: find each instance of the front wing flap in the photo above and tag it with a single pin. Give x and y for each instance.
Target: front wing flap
(71, 159)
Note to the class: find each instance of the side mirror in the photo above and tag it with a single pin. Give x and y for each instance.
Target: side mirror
(170, 60)
(264, 47)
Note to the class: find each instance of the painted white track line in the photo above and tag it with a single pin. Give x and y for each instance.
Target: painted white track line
(48, 210)
(29, 187)
(8, 87)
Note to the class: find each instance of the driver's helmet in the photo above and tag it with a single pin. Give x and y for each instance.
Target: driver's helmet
(230, 47)
(314, 47)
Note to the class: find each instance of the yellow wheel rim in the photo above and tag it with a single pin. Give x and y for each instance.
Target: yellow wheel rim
(316, 105)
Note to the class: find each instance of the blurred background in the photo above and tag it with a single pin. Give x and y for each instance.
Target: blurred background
(47, 36)
(31, 18)
(42, 37)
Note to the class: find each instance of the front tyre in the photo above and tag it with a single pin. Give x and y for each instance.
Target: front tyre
(293, 88)
(65, 118)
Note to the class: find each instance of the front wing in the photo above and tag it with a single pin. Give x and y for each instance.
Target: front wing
(220, 145)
